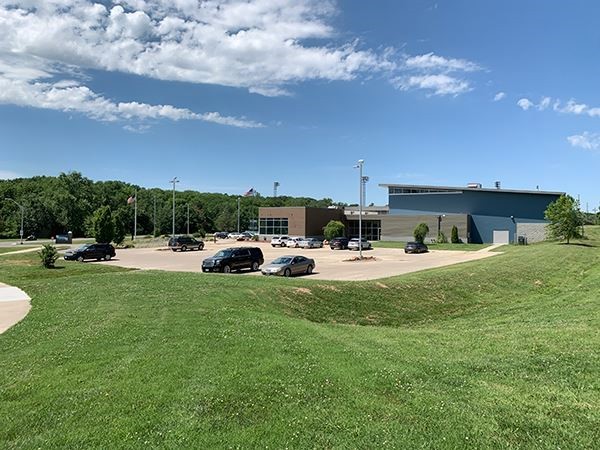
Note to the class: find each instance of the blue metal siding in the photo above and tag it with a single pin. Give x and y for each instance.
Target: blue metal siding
(489, 211)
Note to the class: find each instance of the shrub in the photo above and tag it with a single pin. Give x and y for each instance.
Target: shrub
(103, 225)
(454, 235)
(442, 239)
(333, 229)
(48, 256)
(420, 232)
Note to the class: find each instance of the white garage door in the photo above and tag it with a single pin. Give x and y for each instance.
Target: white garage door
(500, 236)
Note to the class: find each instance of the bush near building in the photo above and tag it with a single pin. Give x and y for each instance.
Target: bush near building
(333, 229)
(420, 232)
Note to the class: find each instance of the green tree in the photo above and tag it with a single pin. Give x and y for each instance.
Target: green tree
(333, 229)
(420, 232)
(565, 219)
(103, 225)
(454, 235)
(121, 223)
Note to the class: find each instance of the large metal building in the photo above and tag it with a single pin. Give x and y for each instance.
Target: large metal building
(481, 215)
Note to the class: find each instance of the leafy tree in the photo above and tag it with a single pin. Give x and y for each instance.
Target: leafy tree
(333, 229)
(103, 225)
(48, 256)
(454, 235)
(565, 219)
(121, 224)
(442, 239)
(420, 232)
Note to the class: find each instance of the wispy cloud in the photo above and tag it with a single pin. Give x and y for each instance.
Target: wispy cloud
(8, 175)
(586, 140)
(499, 96)
(436, 74)
(570, 107)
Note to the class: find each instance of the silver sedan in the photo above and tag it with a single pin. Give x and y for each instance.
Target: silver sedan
(289, 265)
(310, 243)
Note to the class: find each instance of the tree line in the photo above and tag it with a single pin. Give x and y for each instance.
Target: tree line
(56, 205)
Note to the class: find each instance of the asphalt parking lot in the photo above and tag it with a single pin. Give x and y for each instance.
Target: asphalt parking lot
(330, 264)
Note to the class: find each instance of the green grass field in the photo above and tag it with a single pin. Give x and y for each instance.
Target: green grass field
(498, 353)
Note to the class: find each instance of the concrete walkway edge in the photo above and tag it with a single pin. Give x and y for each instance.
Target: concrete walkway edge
(14, 306)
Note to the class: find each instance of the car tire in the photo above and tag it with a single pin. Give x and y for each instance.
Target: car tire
(174, 249)
(273, 245)
(254, 267)
(226, 269)
(287, 273)
(107, 257)
(309, 269)
(201, 247)
(183, 248)
(80, 258)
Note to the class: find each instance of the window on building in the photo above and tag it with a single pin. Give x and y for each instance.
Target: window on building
(411, 190)
(273, 226)
(371, 229)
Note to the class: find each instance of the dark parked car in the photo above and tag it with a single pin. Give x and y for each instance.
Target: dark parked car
(234, 258)
(221, 234)
(415, 247)
(340, 243)
(31, 237)
(91, 251)
(184, 243)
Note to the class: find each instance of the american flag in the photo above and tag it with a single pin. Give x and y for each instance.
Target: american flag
(131, 199)
(249, 193)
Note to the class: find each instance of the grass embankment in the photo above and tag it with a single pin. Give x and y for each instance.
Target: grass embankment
(503, 352)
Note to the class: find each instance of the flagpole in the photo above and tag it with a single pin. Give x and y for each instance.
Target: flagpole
(238, 215)
(135, 215)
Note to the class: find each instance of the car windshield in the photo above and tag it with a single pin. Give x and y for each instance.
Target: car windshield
(282, 260)
(223, 254)
(84, 247)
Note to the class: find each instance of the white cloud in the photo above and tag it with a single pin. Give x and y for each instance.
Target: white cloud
(440, 84)
(68, 95)
(432, 61)
(525, 104)
(499, 96)
(586, 140)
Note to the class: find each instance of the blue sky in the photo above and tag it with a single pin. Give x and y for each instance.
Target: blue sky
(235, 94)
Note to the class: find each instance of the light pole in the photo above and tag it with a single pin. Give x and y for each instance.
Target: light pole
(188, 219)
(22, 208)
(174, 180)
(238, 216)
(440, 225)
(359, 166)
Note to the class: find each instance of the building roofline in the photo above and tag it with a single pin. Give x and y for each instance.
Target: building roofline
(464, 188)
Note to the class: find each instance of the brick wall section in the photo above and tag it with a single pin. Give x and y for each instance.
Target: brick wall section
(534, 232)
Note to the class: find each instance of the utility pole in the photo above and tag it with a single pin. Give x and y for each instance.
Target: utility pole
(22, 208)
(174, 180)
(238, 215)
(359, 166)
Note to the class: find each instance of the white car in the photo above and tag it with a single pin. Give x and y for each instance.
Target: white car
(310, 243)
(353, 244)
(293, 242)
(279, 241)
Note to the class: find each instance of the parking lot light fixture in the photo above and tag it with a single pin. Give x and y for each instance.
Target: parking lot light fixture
(359, 166)
(174, 180)
(22, 209)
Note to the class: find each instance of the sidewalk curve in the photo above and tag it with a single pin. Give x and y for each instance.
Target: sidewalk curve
(14, 306)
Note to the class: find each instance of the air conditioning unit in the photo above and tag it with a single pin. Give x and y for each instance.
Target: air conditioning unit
(474, 185)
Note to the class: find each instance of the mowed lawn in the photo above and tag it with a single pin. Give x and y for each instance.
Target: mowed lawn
(498, 353)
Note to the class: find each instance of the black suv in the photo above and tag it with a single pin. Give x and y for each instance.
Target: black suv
(91, 251)
(185, 243)
(234, 258)
(339, 243)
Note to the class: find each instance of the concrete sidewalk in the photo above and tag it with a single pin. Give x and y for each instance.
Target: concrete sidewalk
(14, 306)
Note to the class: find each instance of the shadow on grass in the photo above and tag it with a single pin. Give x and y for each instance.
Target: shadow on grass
(578, 244)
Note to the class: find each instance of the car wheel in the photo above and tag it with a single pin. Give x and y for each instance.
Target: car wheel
(287, 273)
(254, 267)
(174, 249)
(226, 269)
(98, 259)
(183, 248)
(273, 245)
(309, 269)
(80, 258)
(107, 257)
(201, 247)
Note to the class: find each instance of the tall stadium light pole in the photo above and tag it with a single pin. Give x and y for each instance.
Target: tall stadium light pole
(359, 166)
(275, 186)
(174, 180)
(22, 208)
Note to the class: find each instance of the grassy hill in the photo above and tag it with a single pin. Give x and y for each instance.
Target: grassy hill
(503, 352)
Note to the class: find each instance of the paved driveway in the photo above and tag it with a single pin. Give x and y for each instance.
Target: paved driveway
(330, 264)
